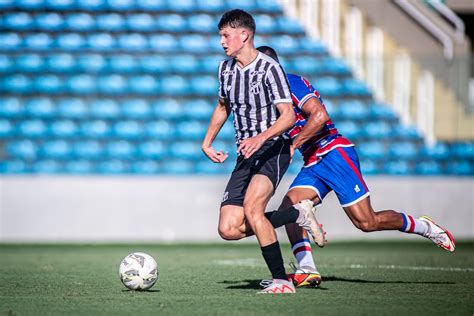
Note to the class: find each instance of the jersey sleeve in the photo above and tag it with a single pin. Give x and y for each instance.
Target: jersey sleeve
(221, 81)
(279, 84)
(301, 89)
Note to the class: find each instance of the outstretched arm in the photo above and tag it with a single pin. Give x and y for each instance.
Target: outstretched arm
(219, 116)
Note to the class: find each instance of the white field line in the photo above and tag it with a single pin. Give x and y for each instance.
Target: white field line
(251, 262)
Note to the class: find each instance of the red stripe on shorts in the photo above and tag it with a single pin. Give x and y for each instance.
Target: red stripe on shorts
(353, 167)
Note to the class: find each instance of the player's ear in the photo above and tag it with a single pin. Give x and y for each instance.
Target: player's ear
(244, 35)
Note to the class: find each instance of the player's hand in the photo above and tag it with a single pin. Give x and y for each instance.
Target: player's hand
(249, 146)
(215, 156)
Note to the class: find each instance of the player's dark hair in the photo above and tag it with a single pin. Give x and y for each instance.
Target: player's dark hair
(237, 18)
(267, 50)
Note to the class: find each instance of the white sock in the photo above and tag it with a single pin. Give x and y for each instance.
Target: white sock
(414, 226)
(302, 252)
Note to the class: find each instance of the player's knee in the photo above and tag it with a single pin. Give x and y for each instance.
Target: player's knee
(252, 214)
(366, 225)
(228, 233)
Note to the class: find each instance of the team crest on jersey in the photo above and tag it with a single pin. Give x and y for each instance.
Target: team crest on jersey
(255, 87)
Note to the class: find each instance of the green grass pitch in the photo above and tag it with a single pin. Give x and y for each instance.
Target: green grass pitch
(367, 278)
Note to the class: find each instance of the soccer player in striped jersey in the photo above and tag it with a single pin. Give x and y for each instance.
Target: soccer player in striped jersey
(331, 163)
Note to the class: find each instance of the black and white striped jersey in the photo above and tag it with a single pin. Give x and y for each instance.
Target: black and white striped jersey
(252, 93)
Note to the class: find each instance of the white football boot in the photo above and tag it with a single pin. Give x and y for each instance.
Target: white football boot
(277, 286)
(439, 235)
(308, 221)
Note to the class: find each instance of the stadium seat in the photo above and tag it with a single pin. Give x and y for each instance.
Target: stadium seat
(80, 22)
(10, 107)
(48, 84)
(204, 85)
(335, 66)
(268, 6)
(439, 151)
(29, 4)
(120, 150)
(49, 22)
(464, 150)
(382, 112)
(59, 5)
(79, 167)
(46, 167)
(185, 150)
(151, 5)
(210, 63)
(135, 109)
(211, 6)
(70, 41)
(37, 41)
(377, 129)
(110, 22)
(104, 109)
(247, 5)
(163, 43)
(461, 168)
(353, 87)
(171, 23)
(198, 109)
(133, 42)
(121, 5)
(306, 65)
(181, 6)
(373, 150)
(353, 110)
(184, 63)
(91, 63)
(40, 108)
(22, 149)
(210, 168)
(191, 130)
(29, 63)
(159, 130)
(63, 129)
(128, 129)
(155, 64)
(151, 150)
(288, 25)
(91, 5)
(112, 84)
(194, 43)
(429, 167)
(327, 86)
(10, 41)
(203, 23)
(112, 167)
(406, 133)
(72, 108)
(174, 85)
(284, 44)
(16, 84)
(369, 166)
(178, 166)
(18, 21)
(403, 150)
(349, 129)
(227, 131)
(101, 41)
(6, 64)
(95, 129)
(32, 129)
(60, 63)
(145, 167)
(397, 167)
(81, 84)
(266, 23)
(6, 129)
(167, 109)
(13, 167)
(88, 149)
(56, 149)
(143, 85)
(141, 22)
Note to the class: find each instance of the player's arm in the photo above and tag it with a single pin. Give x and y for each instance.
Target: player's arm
(219, 117)
(317, 117)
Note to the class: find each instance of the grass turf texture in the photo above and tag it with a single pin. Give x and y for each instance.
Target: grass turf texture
(358, 278)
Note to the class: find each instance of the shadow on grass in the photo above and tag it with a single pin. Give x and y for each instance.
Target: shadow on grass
(145, 291)
(249, 284)
(335, 278)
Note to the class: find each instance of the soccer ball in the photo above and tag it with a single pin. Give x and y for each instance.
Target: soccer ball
(138, 271)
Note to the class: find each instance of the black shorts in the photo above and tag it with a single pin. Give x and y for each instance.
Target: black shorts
(272, 160)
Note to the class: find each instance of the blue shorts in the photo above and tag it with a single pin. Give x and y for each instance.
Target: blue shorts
(338, 170)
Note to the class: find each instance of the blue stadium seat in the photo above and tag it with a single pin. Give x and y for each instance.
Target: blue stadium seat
(91, 63)
(408, 133)
(210, 63)
(128, 129)
(377, 129)
(439, 151)
(429, 167)
(177, 167)
(121, 5)
(7, 4)
(212, 6)
(104, 109)
(32, 129)
(30, 4)
(203, 23)
(133, 42)
(120, 150)
(63, 129)
(461, 168)
(60, 4)
(81, 84)
(143, 84)
(95, 129)
(145, 167)
(13, 167)
(353, 110)
(135, 109)
(61, 63)
(398, 167)
(110, 22)
(163, 43)
(91, 5)
(171, 23)
(10, 41)
(268, 6)
(227, 131)
(373, 150)
(210, 168)
(185, 149)
(49, 22)
(17, 84)
(181, 6)
(369, 166)
(151, 5)
(37, 41)
(204, 85)
(289, 25)
(382, 111)
(167, 109)
(141, 22)
(22, 149)
(101, 41)
(306, 65)
(48, 84)
(46, 167)
(247, 5)
(152, 150)
(112, 84)
(88, 149)
(355, 87)
(79, 22)
(194, 43)
(10, 107)
(56, 149)
(216, 47)
(18, 21)
(327, 86)
(70, 41)
(349, 129)
(184, 63)
(403, 150)
(6, 129)
(123, 63)
(191, 130)
(198, 109)
(112, 167)
(72, 108)
(160, 130)
(335, 66)
(79, 167)
(266, 23)
(284, 44)
(463, 150)
(40, 108)
(29, 63)
(155, 64)
(174, 85)
(6, 64)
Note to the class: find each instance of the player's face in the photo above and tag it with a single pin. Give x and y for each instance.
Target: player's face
(232, 39)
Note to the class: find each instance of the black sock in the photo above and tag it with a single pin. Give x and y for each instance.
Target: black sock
(280, 218)
(274, 260)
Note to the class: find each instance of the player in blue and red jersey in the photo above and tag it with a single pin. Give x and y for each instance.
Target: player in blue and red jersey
(331, 163)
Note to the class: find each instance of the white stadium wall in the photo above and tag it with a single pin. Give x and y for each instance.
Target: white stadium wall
(185, 209)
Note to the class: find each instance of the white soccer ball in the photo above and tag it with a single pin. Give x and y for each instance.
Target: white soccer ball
(138, 271)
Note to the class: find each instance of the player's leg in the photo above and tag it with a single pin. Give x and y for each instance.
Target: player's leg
(232, 222)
